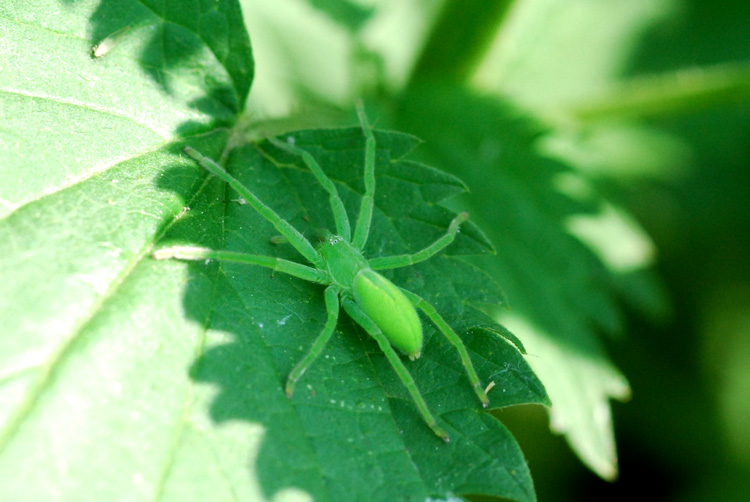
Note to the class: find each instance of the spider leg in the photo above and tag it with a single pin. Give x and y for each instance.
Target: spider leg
(192, 253)
(337, 206)
(404, 260)
(362, 230)
(374, 331)
(452, 337)
(294, 237)
(332, 308)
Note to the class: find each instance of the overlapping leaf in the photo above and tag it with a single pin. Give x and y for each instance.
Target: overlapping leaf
(562, 296)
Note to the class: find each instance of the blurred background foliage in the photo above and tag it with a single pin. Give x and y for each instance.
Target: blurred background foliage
(649, 101)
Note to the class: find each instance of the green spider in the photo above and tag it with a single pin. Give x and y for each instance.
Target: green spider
(386, 311)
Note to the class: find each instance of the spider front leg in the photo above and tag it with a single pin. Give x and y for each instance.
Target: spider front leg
(452, 337)
(291, 234)
(337, 206)
(362, 230)
(356, 313)
(194, 253)
(343, 228)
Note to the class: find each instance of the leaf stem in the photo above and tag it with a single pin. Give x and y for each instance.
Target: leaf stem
(459, 39)
(666, 94)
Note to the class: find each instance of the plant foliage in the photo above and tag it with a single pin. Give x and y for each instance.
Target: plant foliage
(124, 377)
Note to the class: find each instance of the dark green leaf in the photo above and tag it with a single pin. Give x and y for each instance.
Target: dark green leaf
(350, 404)
(560, 293)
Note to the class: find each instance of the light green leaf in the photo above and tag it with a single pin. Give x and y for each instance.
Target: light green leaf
(552, 53)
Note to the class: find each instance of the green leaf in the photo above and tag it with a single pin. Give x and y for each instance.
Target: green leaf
(539, 213)
(126, 377)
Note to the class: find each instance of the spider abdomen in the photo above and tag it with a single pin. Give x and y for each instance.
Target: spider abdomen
(394, 314)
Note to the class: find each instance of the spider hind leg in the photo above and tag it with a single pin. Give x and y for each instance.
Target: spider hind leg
(356, 313)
